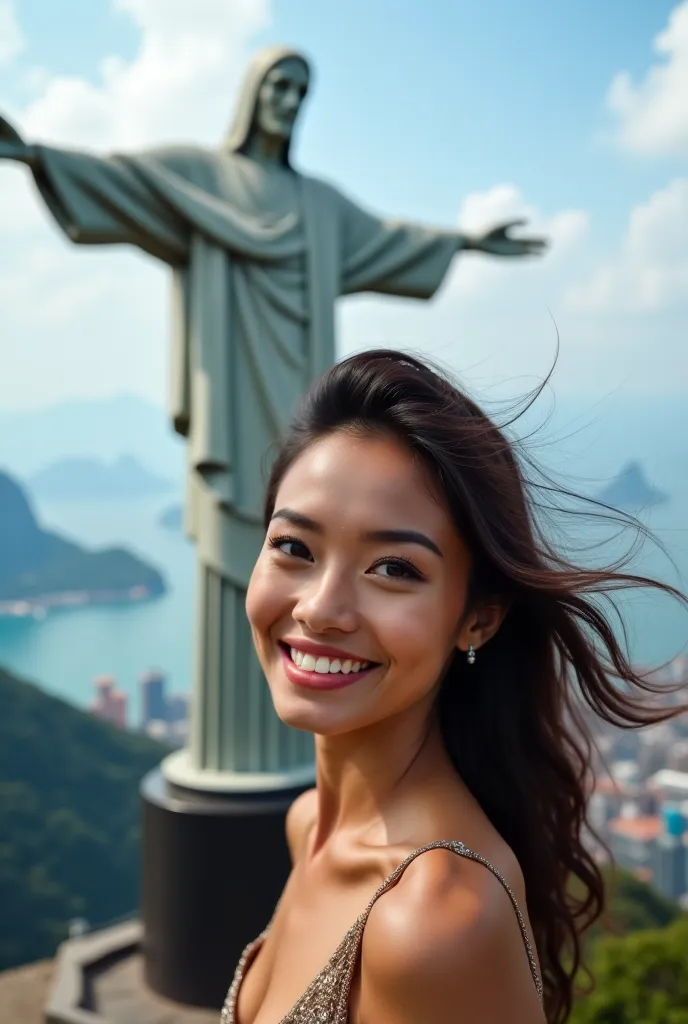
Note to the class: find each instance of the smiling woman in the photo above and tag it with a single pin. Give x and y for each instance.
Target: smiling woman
(408, 611)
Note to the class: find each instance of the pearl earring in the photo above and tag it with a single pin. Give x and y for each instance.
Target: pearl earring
(471, 655)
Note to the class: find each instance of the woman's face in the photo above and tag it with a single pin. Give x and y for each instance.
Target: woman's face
(361, 564)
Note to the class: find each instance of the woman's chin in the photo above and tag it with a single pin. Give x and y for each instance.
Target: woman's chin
(301, 712)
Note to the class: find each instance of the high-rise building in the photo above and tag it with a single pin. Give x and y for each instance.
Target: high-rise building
(632, 840)
(158, 729)
(109, 702)
(178, 707)
(152, 689)
(669, 868)
(669, 785)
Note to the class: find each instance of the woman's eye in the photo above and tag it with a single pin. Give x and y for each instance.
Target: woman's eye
(399, 570)
(289, 546)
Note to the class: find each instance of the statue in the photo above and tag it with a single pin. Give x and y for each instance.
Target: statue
(259, 253)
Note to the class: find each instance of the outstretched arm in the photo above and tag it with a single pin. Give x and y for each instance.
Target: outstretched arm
(100, 200)
(398, 258)
(498, 242)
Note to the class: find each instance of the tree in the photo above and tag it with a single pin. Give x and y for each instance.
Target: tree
(641, 978)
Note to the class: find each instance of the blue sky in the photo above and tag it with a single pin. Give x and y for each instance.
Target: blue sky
(473, 94)
(421, 115)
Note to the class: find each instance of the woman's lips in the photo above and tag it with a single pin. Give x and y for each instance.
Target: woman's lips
(319, 680)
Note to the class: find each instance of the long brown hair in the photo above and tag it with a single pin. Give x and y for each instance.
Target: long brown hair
(516, 723)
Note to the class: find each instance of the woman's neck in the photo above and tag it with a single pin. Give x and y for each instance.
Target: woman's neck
(363, 778)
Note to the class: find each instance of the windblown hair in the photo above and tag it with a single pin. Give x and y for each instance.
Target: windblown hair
(516, 724)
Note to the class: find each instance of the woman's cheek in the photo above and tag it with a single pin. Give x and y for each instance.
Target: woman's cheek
(406, 634)
(260, 598)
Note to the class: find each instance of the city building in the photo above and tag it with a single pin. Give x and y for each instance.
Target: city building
(632, 842)
(153, 698)
(669, 867)
(654, 743)
(669, 784)
(158, 729)
(178, 707)
(163, 717)
(677, 758)
(109, 702)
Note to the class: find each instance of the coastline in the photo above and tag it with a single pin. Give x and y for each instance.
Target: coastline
(37, 606)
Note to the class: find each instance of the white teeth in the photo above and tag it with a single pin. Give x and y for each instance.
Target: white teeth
(324, 665)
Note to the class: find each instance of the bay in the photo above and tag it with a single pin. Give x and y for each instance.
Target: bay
(68, 649)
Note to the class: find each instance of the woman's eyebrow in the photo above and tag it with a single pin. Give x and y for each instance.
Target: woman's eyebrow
(404, 537)
(388, 536)
(297, 519)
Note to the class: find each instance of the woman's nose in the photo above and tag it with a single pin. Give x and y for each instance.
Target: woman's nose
(326, 604)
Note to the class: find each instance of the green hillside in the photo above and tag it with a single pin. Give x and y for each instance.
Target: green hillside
(69, 847)
(35, 562)
(69, 819)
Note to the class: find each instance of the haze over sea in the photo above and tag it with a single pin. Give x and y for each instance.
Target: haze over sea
(65, 651)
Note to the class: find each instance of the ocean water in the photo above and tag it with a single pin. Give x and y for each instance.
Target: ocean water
(65, 651)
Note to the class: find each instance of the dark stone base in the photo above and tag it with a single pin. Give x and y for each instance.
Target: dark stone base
(214, 867)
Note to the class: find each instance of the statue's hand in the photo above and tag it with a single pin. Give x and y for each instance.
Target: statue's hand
(498, 242)
(12, 146)
(8, 133)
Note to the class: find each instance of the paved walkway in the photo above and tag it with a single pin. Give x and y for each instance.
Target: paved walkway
(23, 992)
(121, 997)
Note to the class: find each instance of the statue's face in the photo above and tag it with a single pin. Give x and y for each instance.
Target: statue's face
(280, 97)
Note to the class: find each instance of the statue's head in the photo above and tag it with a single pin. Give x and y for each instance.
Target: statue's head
(271, 97)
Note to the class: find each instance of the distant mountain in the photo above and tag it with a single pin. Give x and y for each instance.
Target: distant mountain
(100, 429)
(630, 490)
(69, 819)
(87, 479)
(588, 437)
(36, 564)
(172, 517)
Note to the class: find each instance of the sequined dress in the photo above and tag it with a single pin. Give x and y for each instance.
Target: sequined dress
(326, 1000)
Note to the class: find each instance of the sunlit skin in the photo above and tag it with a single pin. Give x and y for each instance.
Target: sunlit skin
(399, 604)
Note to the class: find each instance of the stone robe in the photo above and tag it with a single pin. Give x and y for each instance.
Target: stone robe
(259, 254)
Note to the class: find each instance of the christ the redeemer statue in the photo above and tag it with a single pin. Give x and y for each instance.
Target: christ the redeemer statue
(259, 254)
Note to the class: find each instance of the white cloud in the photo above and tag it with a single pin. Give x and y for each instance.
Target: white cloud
(653, 115)
(96, 320)
(178, 84)
(12, 40)
(651, 271)
(476, 275)
(491, 319)
(491, 322)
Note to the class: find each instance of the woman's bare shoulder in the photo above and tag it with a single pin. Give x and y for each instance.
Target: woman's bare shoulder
(435, 944)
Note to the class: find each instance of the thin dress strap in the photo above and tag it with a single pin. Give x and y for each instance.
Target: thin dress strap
(327, 996)
(463, 851)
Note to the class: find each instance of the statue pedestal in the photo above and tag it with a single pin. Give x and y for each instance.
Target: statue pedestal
(214, 866)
